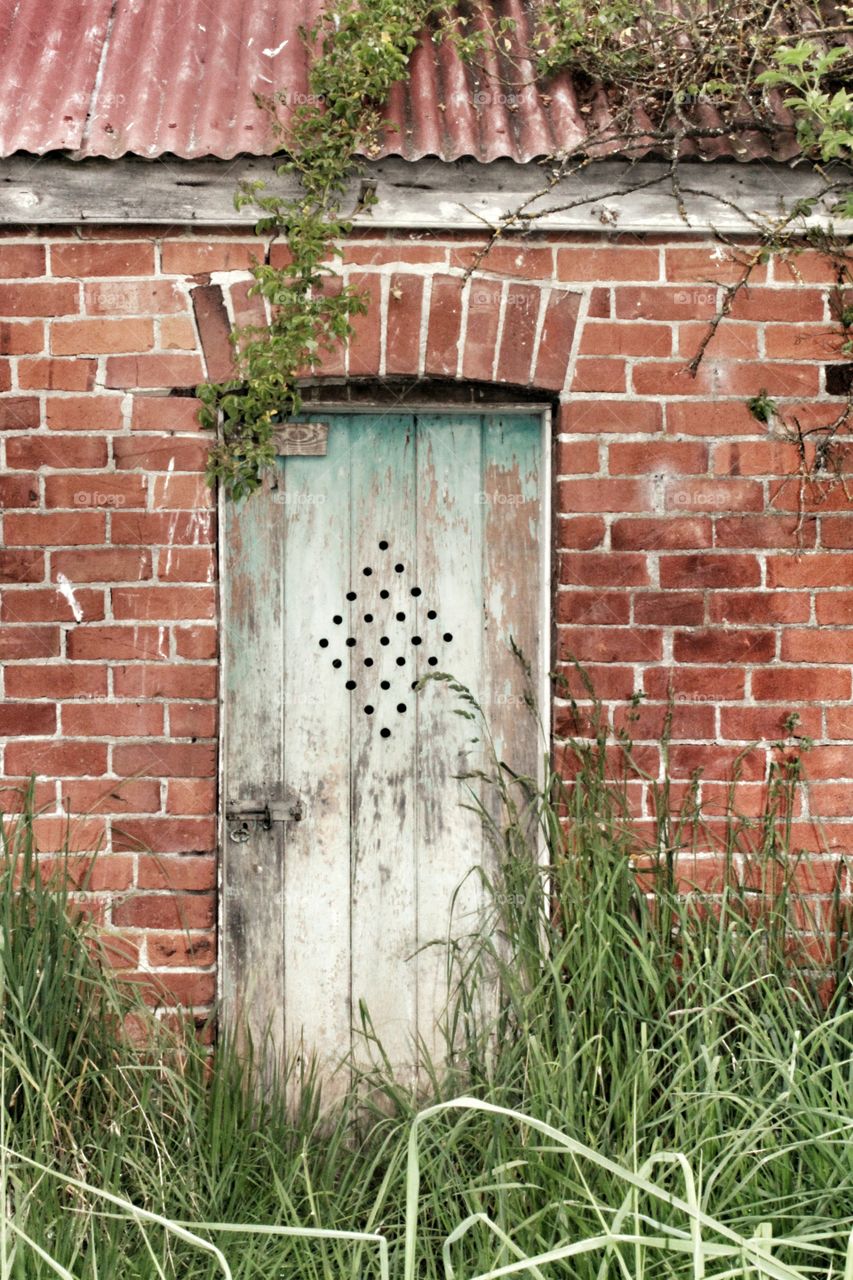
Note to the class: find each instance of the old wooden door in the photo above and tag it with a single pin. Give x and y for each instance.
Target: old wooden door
(417, 543)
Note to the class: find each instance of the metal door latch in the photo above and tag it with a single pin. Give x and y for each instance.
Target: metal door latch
(243, 816)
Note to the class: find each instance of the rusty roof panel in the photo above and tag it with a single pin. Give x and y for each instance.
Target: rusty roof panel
(50, 51)
(156, 78)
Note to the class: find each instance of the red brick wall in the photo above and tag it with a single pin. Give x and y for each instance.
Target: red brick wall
(676, 521)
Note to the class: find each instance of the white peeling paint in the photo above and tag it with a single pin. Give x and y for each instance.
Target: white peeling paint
(273, 53)
(67, 592)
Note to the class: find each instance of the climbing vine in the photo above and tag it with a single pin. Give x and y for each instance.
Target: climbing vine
(661, 66)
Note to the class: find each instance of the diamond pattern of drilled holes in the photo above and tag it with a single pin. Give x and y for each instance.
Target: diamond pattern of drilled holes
(392, 624)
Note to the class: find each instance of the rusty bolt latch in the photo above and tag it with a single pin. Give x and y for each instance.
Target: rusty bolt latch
(262, 816)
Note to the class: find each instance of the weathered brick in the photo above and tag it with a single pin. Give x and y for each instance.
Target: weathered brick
(131, 298)
(159, 370)
(581, 533)
(93, 337)
(164, 680)
(604, 495)
(166, 835)
(669, 608)
(603, 568)
(21, 337)
(813, 569)
(28, 605)
(744, 607)
(84, 413)
(748, 645)
(41, 373)
(404, 324)
(816, 684)
(665, 303)
(555, 342)
(48, 758)
(18, 491)
(27, 718)
(604, 338)
(29, 642)
(163, 602)
(102, 564)
(164, 910)
(20, 260)
(165, 413)
(187, 872)
(38, 299)
(181, 949)
(160, 453)
(108, 719)
(718, 569)
(44, 680)
(56, 451)
(196, 642)
(22, 566)
(609, 644)
(608, 262)
(658, 534)
(595, 373)
(684, 457)
(94, 489)
(190, 795)
(481, 332)
(117, 643)
(200, 255)
(366, 328)
(610, 416)
(165, 759)
(112, 258)
(110, 795)
(445, 317)
(61, 529)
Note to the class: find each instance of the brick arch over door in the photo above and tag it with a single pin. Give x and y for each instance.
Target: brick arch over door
(438, 326)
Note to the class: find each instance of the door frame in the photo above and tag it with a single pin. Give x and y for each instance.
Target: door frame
(547, 554)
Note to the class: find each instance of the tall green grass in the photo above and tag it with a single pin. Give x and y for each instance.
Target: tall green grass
(638, 1082)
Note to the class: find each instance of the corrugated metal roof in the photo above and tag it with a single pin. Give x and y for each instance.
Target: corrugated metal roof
(179, 77)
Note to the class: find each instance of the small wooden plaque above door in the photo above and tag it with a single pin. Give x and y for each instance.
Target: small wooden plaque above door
(302, 438)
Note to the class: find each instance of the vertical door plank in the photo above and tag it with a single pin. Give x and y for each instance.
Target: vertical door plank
(512, 585)
(449, 515)
(384, 937)
(316, 721)
(252, 872)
